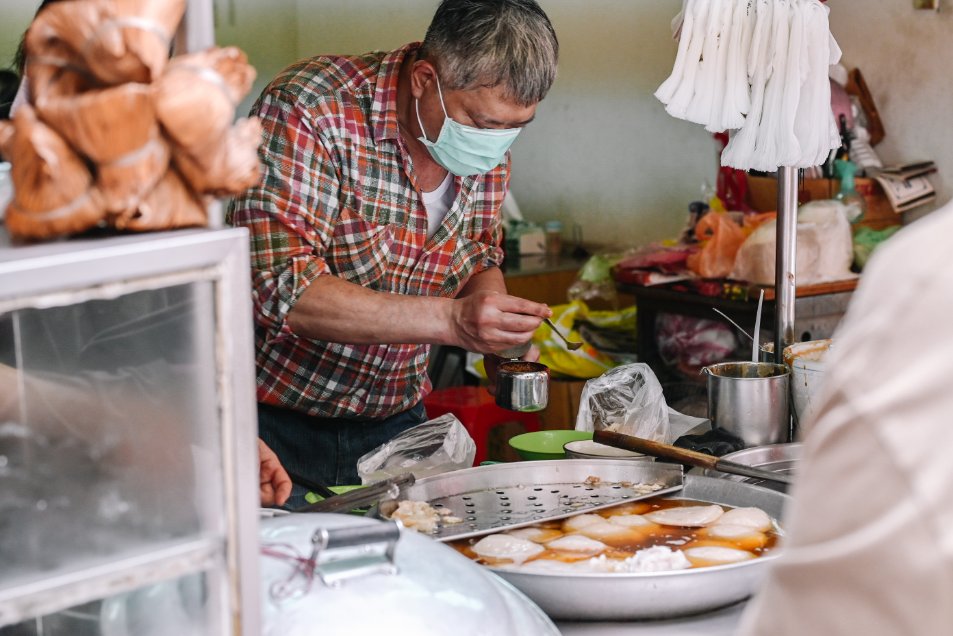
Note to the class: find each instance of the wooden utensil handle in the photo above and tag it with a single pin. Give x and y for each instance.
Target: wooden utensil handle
(655, 449)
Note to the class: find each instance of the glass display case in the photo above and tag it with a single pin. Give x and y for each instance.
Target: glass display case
(128, 496)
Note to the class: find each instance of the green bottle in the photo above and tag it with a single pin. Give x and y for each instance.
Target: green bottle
(848, 195)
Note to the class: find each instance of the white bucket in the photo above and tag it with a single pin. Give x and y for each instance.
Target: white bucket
(806, 360)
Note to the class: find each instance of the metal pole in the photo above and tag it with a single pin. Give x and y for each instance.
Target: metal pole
(784, 282)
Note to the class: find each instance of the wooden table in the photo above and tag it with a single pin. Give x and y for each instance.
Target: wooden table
(818, 309)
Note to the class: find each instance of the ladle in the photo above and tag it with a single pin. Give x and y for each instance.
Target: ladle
(572, 346)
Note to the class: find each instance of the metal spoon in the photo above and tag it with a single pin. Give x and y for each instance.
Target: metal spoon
(572, 346)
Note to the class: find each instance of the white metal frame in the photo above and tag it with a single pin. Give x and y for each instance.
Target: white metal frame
(74, 271)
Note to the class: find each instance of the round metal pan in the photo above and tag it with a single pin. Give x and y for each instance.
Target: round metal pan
(777, 458)
(654, 595)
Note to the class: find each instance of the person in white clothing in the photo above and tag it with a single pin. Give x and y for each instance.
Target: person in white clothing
(869, 534)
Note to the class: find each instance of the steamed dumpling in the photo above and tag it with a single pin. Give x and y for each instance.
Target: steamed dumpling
(686, 516)
(536, 535)
(752, 517)
(610, 532)
(744, 537)
(630, 521)
(716, 555)
(629, 508)
(504, 546)
(577, 523)
(577, 544)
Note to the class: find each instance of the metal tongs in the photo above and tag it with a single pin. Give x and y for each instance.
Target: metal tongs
(372, 494)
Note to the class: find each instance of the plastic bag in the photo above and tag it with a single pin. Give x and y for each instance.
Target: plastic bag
(627, 399)
(437, 446)
(824, 251)
(691, 343)
(722, 238)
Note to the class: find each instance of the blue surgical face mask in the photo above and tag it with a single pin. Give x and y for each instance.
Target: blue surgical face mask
(465, 150)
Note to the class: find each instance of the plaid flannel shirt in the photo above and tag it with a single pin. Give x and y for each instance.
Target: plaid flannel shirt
(339, 198)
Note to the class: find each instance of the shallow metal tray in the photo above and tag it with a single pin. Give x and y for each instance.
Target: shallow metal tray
(655, 595)
(513, 495)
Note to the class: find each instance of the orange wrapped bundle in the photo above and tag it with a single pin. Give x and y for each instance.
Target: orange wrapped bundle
(56, 71)
(721, 239)
(228, 167)
(53, 188)
(123, 182)
(171, 204)
(118, 40)
(197, 95)
(103, 124)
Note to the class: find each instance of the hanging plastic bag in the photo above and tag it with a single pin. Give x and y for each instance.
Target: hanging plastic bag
(691, 343)
(721, 238)
(431, 448)
(629, 400)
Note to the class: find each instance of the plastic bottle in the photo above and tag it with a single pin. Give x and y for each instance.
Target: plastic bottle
(848, 195)
(554, 238)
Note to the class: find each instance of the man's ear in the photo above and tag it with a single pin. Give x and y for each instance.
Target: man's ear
(422, 76)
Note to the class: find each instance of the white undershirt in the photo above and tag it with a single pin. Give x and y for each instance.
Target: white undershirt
(438, 203)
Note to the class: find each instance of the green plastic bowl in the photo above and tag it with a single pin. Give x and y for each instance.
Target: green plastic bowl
(545, 444)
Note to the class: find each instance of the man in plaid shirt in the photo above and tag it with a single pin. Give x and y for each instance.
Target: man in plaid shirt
(376, 227)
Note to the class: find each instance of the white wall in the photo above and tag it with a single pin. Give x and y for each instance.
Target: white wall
(265, 30)
(602, 150)
(15, 17)
(906, 57)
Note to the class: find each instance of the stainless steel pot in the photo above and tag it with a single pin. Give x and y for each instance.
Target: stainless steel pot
(657, 594)
(522, 386)
(370, 577)
(750, 400)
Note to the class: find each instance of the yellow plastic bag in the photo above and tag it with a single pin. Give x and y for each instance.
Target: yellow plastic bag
(586, 362)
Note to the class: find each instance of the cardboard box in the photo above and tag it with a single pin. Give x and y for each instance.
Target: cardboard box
(563, 404)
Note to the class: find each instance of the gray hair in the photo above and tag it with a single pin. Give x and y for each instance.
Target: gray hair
(508, 43)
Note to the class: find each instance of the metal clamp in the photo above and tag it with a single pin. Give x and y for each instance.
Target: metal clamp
(351, 552)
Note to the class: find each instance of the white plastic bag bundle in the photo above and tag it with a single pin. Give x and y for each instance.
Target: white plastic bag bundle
(824, 247)
(627, 399)
(434, 447)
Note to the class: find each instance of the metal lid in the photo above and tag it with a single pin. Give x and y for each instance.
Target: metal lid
(341, 574)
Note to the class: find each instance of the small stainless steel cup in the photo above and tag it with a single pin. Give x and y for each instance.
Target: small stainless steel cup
(522, 386)
(750, 400)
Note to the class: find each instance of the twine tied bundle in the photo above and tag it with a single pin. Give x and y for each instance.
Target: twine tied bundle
(117, 134)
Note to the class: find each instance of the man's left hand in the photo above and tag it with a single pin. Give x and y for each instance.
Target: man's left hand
(274, 485)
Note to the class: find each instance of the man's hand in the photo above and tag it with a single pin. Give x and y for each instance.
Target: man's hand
(488, 321)
(274, 485)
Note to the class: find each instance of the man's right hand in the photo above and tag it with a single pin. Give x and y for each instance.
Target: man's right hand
(488, 321)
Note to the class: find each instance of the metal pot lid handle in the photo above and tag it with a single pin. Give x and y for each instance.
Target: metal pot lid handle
(340, 554)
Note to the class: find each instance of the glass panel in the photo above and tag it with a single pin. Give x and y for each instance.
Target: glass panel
(183, 607)
(109, 430)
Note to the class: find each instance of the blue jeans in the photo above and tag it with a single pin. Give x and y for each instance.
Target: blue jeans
(327, 449)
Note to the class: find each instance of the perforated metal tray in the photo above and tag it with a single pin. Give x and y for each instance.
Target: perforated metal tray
(490, 498)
